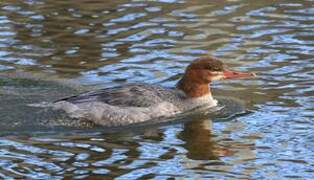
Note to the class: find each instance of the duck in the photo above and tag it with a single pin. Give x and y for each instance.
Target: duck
(139, 102)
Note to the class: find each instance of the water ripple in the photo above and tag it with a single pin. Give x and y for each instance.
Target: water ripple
(116, 42)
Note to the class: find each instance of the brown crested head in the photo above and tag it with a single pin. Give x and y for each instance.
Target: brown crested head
(201, 72)
(203, 69)
(206, 63)
(198, 75)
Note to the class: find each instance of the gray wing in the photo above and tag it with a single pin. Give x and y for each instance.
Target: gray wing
(136, 95)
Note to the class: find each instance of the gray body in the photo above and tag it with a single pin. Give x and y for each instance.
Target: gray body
(129, 104)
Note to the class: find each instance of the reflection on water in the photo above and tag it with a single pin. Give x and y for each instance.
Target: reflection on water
(103, 44)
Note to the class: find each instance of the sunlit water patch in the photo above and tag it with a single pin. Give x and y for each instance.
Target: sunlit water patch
(103, 44)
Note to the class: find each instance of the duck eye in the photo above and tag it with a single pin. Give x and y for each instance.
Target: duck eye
(216, 69)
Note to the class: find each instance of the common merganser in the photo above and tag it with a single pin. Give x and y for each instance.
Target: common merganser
(134, 103)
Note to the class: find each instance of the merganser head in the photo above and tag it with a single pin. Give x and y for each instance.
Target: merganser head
(201, 72)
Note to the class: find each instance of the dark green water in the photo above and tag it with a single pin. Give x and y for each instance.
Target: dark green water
(51, 49)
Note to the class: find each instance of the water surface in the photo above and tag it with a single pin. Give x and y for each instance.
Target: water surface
(44, 45)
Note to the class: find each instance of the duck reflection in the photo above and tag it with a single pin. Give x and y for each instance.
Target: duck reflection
(199, 142)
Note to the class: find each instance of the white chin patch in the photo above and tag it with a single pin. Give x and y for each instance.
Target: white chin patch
(217, 76)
